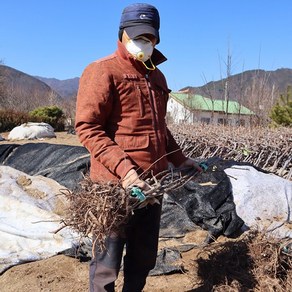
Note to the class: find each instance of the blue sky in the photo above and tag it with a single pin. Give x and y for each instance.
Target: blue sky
(59, 38)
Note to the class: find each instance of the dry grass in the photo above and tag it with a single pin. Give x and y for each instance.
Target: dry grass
(254, 262)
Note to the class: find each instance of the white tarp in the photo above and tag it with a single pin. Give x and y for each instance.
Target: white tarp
(32, 130)
(30, 212)
(263, 200)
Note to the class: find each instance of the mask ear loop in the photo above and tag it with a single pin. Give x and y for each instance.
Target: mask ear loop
(153, 66)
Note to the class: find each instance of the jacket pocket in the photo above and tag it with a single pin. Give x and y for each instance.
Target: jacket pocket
(131, 96)
(132, 143)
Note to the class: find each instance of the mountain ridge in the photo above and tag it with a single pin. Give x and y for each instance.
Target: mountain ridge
(276, 80)
(66, 88)
(250, 83)
(242, 86)
(19, 90)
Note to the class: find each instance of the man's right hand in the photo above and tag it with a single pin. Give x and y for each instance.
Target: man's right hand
(132, 179)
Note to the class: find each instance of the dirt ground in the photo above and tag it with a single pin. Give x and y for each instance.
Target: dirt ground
(63, 273)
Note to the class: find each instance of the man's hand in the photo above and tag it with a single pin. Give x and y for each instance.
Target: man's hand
(191, 163)
(132, 179)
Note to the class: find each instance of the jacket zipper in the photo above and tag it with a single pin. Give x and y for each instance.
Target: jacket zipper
(151, 102)
(140, 101)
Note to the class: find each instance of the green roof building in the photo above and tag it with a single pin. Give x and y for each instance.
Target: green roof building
(190, 108)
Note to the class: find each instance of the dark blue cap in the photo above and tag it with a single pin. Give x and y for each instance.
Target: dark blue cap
(140, 18)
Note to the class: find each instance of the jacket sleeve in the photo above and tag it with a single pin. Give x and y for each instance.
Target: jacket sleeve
(93, 107)
(175, 156)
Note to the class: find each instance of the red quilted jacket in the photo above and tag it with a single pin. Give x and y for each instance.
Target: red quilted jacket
(120, 117)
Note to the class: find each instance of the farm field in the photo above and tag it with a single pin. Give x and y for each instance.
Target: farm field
(253, 260)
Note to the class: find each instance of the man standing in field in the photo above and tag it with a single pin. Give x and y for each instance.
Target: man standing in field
(120, 119)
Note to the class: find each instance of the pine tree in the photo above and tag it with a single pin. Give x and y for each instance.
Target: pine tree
(281, 113)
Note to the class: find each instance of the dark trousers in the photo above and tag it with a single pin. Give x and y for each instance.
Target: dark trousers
(141, 241)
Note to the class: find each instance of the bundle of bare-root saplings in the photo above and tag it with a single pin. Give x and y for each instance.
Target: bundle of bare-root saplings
(268, 149)
(99, 210)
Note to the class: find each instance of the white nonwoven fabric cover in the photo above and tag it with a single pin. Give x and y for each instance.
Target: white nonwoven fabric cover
(30, 213)
(262, 200)
(32, 131)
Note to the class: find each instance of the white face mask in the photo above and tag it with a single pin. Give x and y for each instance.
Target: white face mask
(140, 48)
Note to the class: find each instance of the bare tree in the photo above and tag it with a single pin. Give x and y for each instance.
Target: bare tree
(228, 64)
(186, 110)
(208, 92)
(260, 97)
(69, 108)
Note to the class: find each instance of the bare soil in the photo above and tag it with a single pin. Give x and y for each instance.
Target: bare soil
(63, 273)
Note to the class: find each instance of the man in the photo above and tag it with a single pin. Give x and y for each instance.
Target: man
(120, 119)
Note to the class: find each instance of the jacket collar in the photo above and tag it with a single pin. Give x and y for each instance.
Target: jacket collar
(157, 57)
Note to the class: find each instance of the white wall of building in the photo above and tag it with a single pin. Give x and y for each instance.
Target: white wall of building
(180, 115)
